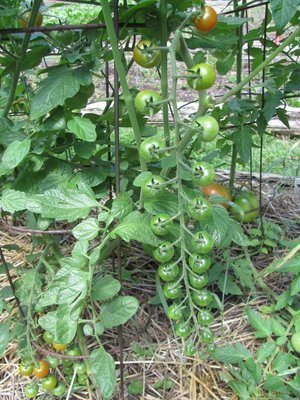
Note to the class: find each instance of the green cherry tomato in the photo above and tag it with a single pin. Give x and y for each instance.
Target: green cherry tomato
(80, 368)
(68, 371)
(164, 252)
(74, 351)
(202, 297)
(295, 340)
(168, 272)
(26, 368)
(202, 242)
(205, 317)
(209, 128)
(150, 149)
(63, 37)
(246, 207)
(26, 17)
(198, 281)
(144, 54)
(59, 390)
(205, 76)
(207, 335)
(189, 349)
(183, 329)
(82, 379)
(49, 382)
(153, 186)
(175, 312)
(203, 173)
(48, 337)
(52, 361)
(199, 209)
(199, 263)
(66, 363)
(146, 102)
(211, 348)
(172, 290)
(31, 390)
(161, 224)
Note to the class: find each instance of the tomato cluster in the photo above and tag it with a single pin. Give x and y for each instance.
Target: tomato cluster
(44, 370)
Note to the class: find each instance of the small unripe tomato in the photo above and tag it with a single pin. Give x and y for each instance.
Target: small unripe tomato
(59, 346)
(26, 17)
(205, 76)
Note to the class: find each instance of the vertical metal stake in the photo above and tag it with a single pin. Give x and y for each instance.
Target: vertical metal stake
(117, 169)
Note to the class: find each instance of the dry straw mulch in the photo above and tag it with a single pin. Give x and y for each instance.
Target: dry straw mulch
(150, 330)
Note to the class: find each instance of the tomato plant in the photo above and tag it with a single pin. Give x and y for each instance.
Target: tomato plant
(202, 242)
(153, 186)
(48, 337)
(161, 224)
(63, 37)
(164, 252)
(172, 290)
(295, 340)
(199, 209)
(49, 382)
(198, 281)
(59, 346)
(175, 312)
(26, 17)
(150, 149)
(147, 102)
(207, 20)
(199, 263)
(202, 297)
(190, 349)
(168, 272)
(208, 128)
(205, 76)
(26, 368)
(145, 54)
(183, 329)
(31, 390)
(203, 173)
(246, 206)
(52, 361)
(59, 390)
(217, 189)
(41, 369)
(205, 317)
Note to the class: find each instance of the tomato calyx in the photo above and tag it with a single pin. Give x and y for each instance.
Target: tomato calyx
(145, 55)
(203, 173)
(151, 149)
(200, 209)
(206, 19)
(164, 252)
(161, 224)
(168, 272)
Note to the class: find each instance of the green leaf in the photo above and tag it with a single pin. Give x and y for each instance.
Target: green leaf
(265, 351)
(105, 287)
(15, 153)
(61, 84)
(136, 226)
(277, 327)
(121, 206)
(227, 285)
(243, 140)
(283, 361)
(262, 325)
(118, 311)
(274, 384)
(240, 388)
(136, 387)
(283, 300)
(291, 265)
(217, 226)
(164, 384)
(283, 11)
(82, 128)
(4, 336)
(66, 316)
(232, 354)
(141, 178)
(13, 200)
(103, 370)
(295, 286)
(166, 203)
(86, 230)
(272, 101)
(64, 204)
